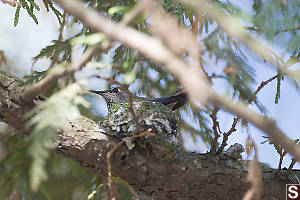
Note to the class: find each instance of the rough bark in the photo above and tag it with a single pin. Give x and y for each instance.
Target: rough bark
(189, 176)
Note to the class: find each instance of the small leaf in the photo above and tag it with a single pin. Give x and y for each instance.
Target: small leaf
(130, 77)
(49, 117)
(98, 65)
(278, 89)
(55, 50)
(264, 141)
(17, 14)
(90, 40)
(34, 5)
(46, 2)
(125, 65)
(56, 12)
(29, 11)
(123, 187)
(116, 9)
(92, 195)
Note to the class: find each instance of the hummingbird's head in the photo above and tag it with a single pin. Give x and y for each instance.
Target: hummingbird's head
(113, 96)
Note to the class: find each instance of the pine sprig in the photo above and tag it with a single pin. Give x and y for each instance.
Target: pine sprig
(58, 48)
(34, 5)
(47, 120)
(201, 127)
(17, 15)
(31, 5)
(279, 77)
(29, 10)
(55, 11)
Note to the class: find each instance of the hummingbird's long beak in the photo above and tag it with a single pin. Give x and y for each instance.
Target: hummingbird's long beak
(97, 92)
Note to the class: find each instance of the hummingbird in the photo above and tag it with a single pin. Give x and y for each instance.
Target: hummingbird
(154, 114)
(117, 95)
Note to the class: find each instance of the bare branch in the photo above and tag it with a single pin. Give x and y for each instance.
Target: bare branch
(291, 166)
(236, 119)
(227, 134)
(265, 124)
(60, 37)
(294, 28)
(281, 159)
(213, 116)
(2, 58)
(86, 142)
(61, 29)
(264, 83)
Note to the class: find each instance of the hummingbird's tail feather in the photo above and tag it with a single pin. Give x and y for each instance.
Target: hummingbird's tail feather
(174, 101)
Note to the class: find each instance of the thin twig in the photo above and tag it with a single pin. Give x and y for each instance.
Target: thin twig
(60, 37)
(291, 166)
(227, 134)
(213, 116)
(63, 23)
(253, 28)
(214, 76)
(131, 109)
(296, 177)
(295, 28)
(236, 119)
(2, 58)
(281, 159)
(203, 70)
(264, 83)
(109, 156)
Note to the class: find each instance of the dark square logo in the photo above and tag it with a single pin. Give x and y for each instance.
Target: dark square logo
(292, 191)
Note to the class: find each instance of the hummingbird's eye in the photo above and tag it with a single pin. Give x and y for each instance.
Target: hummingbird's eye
(115, 90)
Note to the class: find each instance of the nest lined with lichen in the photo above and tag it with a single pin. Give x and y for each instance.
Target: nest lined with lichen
(153, 116)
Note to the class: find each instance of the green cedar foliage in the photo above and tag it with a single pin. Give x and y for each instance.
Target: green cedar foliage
(31, 5)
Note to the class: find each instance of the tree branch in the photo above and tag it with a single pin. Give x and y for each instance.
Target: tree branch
(213, 116)
(263, 84)
(253, 28)
(265, 124)
(227, 134)
(188, 176)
